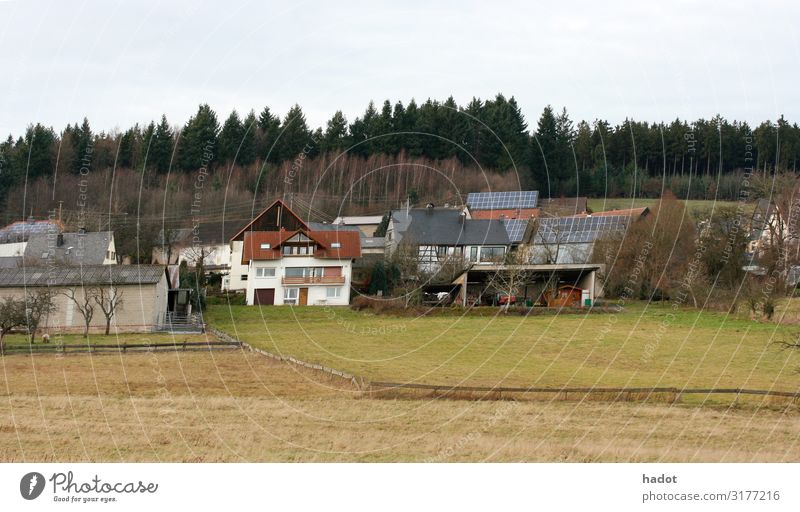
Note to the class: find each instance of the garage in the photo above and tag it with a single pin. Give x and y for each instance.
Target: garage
(264, 296)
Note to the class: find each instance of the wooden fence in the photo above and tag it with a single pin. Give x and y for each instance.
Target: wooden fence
(621, 393)
(55, 348)
(331, 372)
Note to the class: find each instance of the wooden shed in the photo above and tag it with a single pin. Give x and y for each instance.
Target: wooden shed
(564, 296)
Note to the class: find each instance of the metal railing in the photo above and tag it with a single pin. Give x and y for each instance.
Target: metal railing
(313, 280)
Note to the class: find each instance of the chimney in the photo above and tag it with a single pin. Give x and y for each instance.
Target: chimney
(60, 240)
(462, 217)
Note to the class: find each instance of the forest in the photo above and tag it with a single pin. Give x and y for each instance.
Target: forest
(209, 168)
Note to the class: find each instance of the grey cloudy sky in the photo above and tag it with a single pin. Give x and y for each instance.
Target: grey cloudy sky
(124, 62)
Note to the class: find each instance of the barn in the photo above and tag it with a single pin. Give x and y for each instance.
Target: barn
(143, 289)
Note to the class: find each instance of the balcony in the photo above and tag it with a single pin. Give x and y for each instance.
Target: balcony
(313, 280)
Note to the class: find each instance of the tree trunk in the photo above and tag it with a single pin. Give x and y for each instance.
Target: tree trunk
(108, 325)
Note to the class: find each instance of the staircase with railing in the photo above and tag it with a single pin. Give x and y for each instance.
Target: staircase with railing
(180, 322)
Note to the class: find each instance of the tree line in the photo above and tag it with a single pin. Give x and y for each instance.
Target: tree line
(560, 157)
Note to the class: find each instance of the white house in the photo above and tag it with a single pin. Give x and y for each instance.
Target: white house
(277, 259)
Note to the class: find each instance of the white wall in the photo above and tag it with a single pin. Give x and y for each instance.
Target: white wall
(317, 293)
(13, 249)
(235, 282)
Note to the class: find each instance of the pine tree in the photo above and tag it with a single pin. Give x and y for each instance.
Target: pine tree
(335, 136)
(230, 137)
(83, 147)
(545, 167)
(162, 146)
(247, 147)
(294, 134)
(198, 140)
(269, 127)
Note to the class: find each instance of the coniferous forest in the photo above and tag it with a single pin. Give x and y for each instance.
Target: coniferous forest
(423, 151)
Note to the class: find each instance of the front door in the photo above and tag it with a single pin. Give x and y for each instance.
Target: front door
(303, 296)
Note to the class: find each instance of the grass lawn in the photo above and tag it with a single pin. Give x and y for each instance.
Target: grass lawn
(599, 204)
(642, 346)
(241, 406)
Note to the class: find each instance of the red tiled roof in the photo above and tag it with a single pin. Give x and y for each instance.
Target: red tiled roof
(350, 244)
(511, 213)
(630, 212)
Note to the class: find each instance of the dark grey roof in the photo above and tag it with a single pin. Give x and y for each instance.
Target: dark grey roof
(445, 226)
(77, 249)
(77, 276)
(372, 242)
(10, 261)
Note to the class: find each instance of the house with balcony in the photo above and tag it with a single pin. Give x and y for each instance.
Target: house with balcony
(279, 260)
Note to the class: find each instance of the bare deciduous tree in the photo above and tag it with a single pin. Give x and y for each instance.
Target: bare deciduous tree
(84, 303)
(109, 300)
(513, 276)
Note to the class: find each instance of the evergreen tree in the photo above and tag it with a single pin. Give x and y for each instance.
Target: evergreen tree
(34, 154)
(247, 147)
(230, 137)
(546, 169)
(83, 147)
(128, 154)
(335, 137)
(162, 146)
(198, 140)
(294, 134)
(269, 127)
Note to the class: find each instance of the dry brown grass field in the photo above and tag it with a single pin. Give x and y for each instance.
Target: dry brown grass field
(240, 406)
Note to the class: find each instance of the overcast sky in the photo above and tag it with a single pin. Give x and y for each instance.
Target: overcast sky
(124, 62)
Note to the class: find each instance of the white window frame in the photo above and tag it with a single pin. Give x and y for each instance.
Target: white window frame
(265, 272)
(291, 296)
(266, 246)
(337, 292)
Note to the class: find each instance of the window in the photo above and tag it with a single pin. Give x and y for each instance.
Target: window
(336, 245)
(266, 246)
(492, 253)
(441, 251)
(473, 254)
(290, 295)
(297, 250)
(244, 277)
(333, 293)
(298, 271)
(265, 272)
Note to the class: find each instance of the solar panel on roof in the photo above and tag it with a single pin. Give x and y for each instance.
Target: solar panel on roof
(515, 229)
(502, 200)
(576, 230)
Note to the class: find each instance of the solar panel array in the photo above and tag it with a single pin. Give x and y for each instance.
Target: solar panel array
(21, 231)
(577, 230)
(515, 229)
(502, 200)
